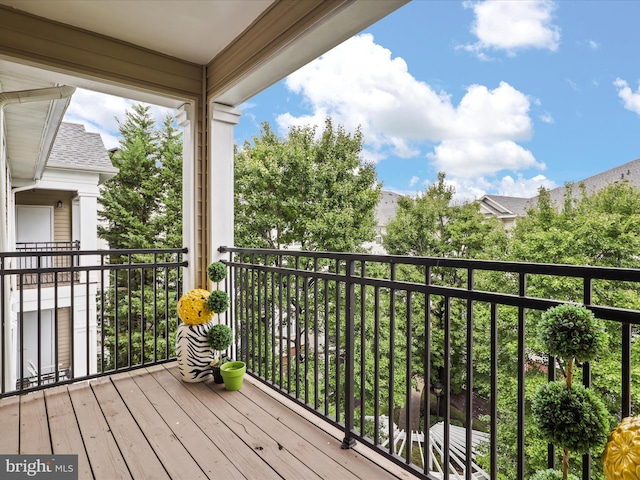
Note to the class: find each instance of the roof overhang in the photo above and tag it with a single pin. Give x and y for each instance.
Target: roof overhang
(236, 48)
(32, 111)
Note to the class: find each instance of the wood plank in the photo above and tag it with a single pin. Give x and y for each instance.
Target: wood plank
(34, 428)
(175, 458)
(10, 425)
(136, 451)
(302, 447)
(380, 463)
(202, 448)
(252, 465)
(280, 459)
(357, 464)
(104, 456)
(65, 433)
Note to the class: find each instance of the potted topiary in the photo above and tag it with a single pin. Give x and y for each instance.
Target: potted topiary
(192, 349)
(196, 309)
(221, 336)
(569, 415)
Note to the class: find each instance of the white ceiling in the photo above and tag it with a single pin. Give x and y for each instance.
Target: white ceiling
(193, 30)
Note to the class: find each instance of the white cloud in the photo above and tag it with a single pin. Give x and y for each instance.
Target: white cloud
(468, 189)
(98, 113)
(546, 117)
(572, 84)
(513, 25)
(630, 99)
(469, 158)
(359, 83)
(594, 45)
(414, 181)
(523, 187)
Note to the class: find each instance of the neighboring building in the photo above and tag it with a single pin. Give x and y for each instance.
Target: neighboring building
(385, 212)
(55, 212)
(509, 209)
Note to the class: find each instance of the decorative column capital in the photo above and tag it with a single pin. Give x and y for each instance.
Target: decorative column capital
(185, 114)
(225, 114)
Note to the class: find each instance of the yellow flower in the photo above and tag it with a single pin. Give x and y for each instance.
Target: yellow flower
(621, 457)
(192, 307)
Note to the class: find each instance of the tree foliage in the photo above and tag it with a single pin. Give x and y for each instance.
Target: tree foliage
(311, 189)
(433, 225)
(141, 207)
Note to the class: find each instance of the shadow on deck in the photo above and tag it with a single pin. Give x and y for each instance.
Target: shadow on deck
(148, 424)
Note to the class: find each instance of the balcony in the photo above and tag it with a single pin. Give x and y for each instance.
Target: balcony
(46, 255)
(149, 424)
(336, 345)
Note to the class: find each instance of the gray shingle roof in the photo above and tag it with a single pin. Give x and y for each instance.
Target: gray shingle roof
(513, 205)
(628, 172)
(77, 149)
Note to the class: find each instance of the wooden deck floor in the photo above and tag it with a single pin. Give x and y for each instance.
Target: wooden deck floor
(150, 425)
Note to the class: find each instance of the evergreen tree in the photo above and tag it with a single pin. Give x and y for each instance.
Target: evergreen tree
(142, 208)
(131, 198)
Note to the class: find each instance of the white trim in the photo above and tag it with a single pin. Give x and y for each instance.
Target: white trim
(221, 147)
(185, 118)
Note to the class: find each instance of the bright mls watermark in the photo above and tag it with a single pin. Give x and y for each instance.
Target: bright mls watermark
(51, 467)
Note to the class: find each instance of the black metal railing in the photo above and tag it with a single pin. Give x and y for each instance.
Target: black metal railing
(103, 312)
(40, 258)
(355, 338)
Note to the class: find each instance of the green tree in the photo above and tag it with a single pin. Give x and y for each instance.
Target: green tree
(308, 189)
(131, 198)
(596, 229)
(433, 225)
(142, 208)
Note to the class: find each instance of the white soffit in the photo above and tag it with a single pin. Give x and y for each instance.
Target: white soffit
(192, 30)
(29, 126)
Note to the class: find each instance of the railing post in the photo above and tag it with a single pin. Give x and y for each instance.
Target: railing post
(348, 441)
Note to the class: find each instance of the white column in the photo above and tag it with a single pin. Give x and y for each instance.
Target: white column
(223, 120)
(86, 227)
(8, 336)
(185, 118)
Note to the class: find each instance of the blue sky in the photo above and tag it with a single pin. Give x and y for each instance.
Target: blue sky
(503, 96)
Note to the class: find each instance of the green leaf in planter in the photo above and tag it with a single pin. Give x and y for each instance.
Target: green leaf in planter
(220, 337)
(216, 272)
(218, 301)
(573, 418)
(572, 331)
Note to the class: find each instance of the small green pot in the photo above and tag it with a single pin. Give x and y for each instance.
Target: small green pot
(233, 374)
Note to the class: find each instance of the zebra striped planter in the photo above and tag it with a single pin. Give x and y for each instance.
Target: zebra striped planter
(193, 352)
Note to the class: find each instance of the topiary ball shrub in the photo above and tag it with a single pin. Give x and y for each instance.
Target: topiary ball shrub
(217, 271)
(220, 337)
(572, 331)
(571, 418)
(551, 475)
(218, 301)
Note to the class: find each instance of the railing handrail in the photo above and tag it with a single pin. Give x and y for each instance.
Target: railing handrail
(575, 271)
(107, 294)
(104, 252)
(47, 246)
(274, 290)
